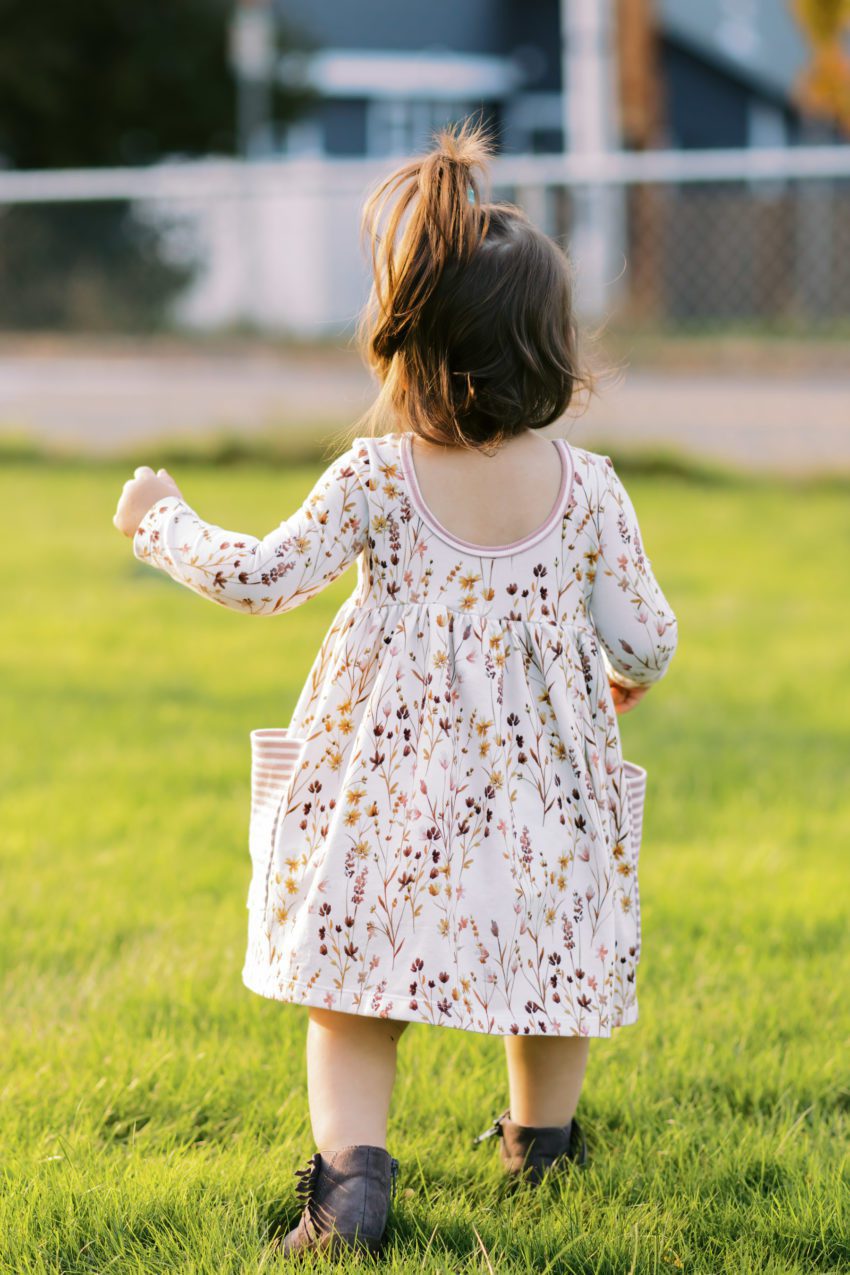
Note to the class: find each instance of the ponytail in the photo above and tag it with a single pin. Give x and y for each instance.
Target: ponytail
(447, 222)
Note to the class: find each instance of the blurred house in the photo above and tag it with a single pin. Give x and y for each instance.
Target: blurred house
(388, 74)
(682, 75)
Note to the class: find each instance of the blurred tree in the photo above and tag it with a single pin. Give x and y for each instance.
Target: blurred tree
(112, 82)
(824, 87)
(108, 82)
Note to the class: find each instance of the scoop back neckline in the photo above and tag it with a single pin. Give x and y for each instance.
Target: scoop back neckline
(490, 551)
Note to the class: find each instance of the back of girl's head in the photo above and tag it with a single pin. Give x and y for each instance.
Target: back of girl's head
(469, 324)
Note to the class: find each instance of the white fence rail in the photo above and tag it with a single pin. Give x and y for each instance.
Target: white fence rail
(221, 179)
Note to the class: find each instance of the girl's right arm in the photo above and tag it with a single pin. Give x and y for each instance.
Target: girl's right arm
(633, 619)
(271, 575)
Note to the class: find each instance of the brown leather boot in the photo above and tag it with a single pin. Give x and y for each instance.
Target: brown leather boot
(528, 1151)
(346, 1198)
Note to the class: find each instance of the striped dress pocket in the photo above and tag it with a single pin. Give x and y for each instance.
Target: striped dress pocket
(275, 754)
(635, 782)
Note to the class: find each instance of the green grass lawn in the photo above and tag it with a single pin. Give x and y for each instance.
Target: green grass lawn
(153, 1109)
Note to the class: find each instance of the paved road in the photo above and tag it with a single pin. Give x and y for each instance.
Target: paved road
(790, 421)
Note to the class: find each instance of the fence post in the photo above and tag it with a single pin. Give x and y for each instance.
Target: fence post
(591, 127)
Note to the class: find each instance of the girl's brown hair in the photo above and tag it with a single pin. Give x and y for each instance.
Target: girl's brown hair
(469, 324)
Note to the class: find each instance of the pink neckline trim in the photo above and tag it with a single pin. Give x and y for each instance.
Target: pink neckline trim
(490, 551)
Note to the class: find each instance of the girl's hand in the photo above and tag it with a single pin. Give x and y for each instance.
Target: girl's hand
(140, 492)
(625, 697)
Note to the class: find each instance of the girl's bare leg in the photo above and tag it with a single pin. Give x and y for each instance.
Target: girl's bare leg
(545, 1075)
(351, 1065)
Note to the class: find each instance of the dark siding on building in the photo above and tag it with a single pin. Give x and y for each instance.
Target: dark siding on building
(538, 23)
(706, 107)
(343, 121)
(703, 107)
(464, 26)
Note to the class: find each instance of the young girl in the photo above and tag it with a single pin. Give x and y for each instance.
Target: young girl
(455, 845)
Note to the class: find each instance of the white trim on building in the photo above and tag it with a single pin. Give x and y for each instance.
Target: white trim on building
(376, 73)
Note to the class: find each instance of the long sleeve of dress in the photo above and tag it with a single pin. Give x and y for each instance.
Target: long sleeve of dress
(270, 575)
(633, 619)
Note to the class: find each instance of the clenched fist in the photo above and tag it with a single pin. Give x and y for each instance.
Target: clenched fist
(141, 491)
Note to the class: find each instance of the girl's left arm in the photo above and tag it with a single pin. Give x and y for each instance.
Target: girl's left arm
(634, 622)
(278, 572)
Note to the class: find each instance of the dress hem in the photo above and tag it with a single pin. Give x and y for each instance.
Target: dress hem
(314, 998)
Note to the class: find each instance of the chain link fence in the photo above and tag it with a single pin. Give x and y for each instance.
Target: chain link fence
(708, 256)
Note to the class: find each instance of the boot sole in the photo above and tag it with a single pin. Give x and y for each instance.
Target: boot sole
(333, 1245)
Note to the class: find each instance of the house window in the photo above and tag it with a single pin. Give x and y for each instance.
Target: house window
(403, 126)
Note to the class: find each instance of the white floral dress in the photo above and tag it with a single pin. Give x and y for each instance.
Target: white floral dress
(454, 845)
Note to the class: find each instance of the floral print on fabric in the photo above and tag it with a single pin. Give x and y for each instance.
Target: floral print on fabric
(454, 844)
